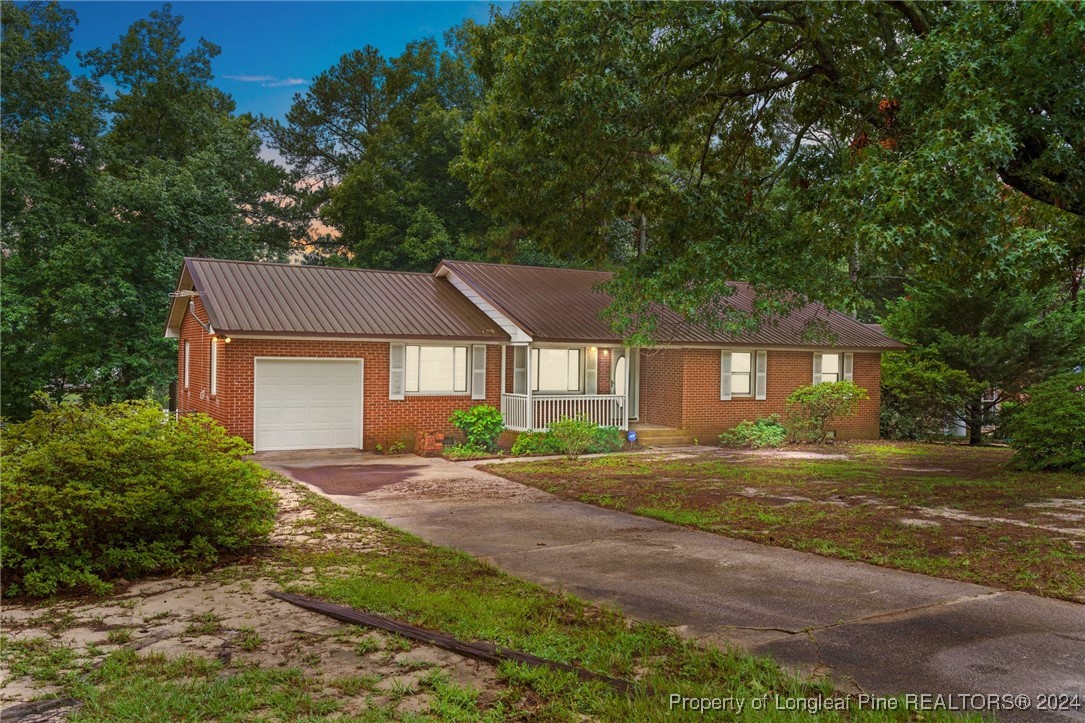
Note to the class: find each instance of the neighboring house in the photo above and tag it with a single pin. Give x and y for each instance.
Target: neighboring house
(305, 357)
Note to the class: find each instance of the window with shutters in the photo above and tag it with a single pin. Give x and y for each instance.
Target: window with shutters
(555, 371)
(743, 374)
(435, 369)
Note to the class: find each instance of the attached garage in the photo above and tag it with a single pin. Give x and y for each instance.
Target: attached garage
(307, 404)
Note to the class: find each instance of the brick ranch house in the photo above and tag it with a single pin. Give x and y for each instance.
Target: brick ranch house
(308, 357)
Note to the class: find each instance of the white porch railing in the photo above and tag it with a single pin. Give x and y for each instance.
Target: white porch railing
(606, 410)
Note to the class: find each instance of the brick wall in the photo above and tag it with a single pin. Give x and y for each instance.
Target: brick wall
(678, 387)
(705, 415)
(384, 421)
(661, 380)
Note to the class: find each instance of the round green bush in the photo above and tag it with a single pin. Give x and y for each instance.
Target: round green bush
(481, 425)
(531, 443)
(765, 432)
(813, 409)
(1047, 431)
(92, 493)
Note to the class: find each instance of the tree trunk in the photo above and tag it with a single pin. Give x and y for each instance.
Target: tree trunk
(975, 424)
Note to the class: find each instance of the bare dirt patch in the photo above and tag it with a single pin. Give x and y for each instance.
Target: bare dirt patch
(226, 616)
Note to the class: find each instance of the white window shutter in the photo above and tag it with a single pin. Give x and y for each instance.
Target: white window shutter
(591, 371)
(725, 375)
(396, 359)
(762, 369)
(817, 369)
(478, 372)
(848, 365)
(519, 370)
(214, 367)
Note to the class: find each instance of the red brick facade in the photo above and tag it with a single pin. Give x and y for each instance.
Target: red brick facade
(384, 421)
(681, 388)
(678, 387)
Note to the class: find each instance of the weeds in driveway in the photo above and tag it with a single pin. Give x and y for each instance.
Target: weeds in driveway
(944, 510)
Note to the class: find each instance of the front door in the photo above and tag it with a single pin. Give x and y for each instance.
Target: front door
(628, 360)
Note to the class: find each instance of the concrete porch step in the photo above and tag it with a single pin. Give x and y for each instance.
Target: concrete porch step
(651, 435)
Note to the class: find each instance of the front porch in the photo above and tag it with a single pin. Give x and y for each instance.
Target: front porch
(552, 381)
(535, 413)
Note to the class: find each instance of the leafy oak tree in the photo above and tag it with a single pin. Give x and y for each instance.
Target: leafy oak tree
(831, 148)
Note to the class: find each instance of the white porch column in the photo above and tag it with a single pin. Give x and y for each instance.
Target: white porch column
(504, 354)
(625, 402)
(527, 390)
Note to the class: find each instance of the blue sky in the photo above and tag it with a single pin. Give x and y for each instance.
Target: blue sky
(270, 50)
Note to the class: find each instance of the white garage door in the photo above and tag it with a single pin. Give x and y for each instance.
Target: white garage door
(307, 404)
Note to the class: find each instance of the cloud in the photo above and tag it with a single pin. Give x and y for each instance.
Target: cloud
(268, 81)
(286, 82)
(251, 78)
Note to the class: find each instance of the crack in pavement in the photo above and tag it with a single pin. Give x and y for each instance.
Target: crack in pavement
(809, 629)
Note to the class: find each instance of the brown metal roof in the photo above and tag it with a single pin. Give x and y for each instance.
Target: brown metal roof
(291, 300)
(565, 305)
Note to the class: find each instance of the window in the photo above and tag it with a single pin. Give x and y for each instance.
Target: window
(743, 374)
(740, 373)
(214, 367)
(830, 367)
(436, 369)
(555, 370)
(188, 361)
(833, 367)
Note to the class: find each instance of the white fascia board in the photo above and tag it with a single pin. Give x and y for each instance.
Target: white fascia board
(516, 334)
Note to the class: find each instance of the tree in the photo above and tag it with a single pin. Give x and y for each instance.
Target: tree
(1005, 336)
(921, 396)
(108, 195)
(823, 147)
(1045, 431)
(370, 144)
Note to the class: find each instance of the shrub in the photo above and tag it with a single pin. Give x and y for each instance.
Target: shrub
(921, 396)
(606, 439)
(813, 408)
(573, 434)
(1046, 431)
(466, 451)
(765, 432)
(481, 425)
(529, 443)
(91, 493)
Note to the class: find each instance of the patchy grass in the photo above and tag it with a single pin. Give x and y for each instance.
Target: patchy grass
(236, 654)
(951, 511)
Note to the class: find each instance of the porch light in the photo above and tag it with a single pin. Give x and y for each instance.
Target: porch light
(226, 340)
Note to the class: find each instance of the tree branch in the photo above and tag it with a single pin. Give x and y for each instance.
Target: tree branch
(915, 17)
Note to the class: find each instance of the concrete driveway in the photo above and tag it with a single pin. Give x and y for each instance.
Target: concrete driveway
(872, 629)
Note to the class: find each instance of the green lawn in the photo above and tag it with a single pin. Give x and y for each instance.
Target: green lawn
(344, 558)
(952, 511)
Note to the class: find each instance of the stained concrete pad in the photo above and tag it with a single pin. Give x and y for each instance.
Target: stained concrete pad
(874, 630)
